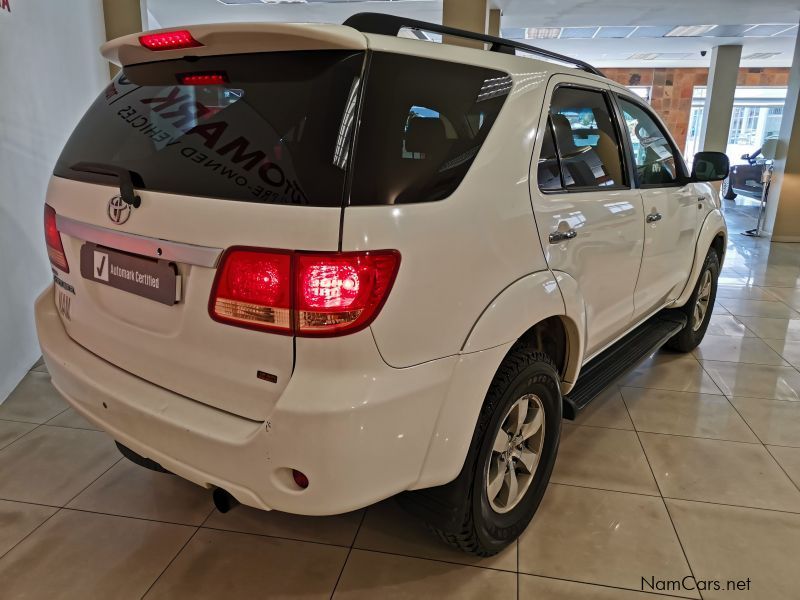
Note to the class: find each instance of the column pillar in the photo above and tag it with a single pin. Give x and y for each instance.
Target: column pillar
(121, 18)
(783, 205)
(494, 22)
(472, 15)
(722, 78)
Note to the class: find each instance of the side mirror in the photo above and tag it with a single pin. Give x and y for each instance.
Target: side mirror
(710, 166)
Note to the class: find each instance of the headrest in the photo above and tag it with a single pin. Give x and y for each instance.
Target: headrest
(564, 135)
(425, 135)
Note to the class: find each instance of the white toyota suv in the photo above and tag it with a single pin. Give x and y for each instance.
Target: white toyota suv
(310, 267)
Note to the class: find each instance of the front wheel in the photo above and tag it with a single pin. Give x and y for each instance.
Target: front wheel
(699, 307)
(727, 191)
(510, 461)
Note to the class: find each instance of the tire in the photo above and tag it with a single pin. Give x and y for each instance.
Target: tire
(464, 516)
(726, 190)
(699, 307)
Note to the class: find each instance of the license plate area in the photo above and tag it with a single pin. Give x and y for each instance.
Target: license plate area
(156, 280)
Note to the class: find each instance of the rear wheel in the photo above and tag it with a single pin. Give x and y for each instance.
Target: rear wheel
(509, 463)
(699, 307)
(726, 190)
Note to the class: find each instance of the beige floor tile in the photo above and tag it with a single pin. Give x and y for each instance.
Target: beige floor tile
(773, 309)
(543, 588)
(731, 543)
(223, 564)
(339, 530)
(789, 460)
(50, 465)
(84, 555)
(34, 400)
(755, 381)
(788, 349)
(13, 430)
(727, 325)
(790, 296)
(737, 349)
(17, 520)
(70, 418)
(369, 576)
(607, 410)
(686, 413)
(783, 329)
(744, 292)
(389, 528)
(669, 371)
(597, 457)
(719, 471)
(608, 538)
(774, 421)
(719, 310)
(133, 491)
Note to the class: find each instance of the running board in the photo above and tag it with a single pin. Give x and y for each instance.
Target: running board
(603, 370)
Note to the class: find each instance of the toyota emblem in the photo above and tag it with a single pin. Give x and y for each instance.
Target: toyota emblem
(119, 211)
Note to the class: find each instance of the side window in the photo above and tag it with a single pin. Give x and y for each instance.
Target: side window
(588, 144)
(653, 155)
(549, 169)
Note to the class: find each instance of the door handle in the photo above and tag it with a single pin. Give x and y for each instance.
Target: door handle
(562, 236)
(653, 217)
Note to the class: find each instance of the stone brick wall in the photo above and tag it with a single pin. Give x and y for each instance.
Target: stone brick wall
(672, 89)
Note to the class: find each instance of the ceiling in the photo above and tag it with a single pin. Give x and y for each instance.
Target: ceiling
(624, 33)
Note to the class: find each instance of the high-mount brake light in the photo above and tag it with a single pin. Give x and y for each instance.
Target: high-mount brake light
(52, 237)
(308, 294)
(204, 78)
(169, 40)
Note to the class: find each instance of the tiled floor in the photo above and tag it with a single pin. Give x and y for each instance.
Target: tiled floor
(689, 467)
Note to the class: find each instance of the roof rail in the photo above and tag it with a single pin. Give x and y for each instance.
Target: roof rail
(383, 24)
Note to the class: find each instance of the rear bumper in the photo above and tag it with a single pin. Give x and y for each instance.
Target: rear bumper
(359, 429)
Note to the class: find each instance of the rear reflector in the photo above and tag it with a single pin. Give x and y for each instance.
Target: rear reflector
(169, 40)
(309, 294)
(52, 237)
(205, 78)
(300, 479)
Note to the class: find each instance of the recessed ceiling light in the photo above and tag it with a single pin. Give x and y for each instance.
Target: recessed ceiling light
(577, 33)
(650, 32)
(761, 55)
(660, 56)
(766, 30)
(542, 33)
(690, 30)
(615, 32)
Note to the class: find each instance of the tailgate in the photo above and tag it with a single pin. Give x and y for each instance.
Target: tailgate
(231, 150)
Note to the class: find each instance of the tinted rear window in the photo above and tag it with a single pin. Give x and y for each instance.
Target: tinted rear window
(422, 124)
(276, 131)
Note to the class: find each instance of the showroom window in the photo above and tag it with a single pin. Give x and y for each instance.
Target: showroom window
(756, 116)
(587, 141)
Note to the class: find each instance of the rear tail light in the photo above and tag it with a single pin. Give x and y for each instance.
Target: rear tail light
(52, 237)
(309, 294)
(169, 40)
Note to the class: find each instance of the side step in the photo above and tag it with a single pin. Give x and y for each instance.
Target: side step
(603, 370)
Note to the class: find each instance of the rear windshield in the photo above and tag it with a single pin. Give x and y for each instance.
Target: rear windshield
(271, 132)
(277, 128)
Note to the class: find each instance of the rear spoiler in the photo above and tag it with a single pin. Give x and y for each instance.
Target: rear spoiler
(236, 38)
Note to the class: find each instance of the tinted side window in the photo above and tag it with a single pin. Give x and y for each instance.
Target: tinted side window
(587, 140)
(423, 122)
(652, 153)
(549, 169)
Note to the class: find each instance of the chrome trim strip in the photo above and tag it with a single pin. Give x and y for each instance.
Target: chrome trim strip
(201, 256)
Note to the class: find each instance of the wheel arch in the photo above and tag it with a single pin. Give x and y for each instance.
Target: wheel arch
(713, 235)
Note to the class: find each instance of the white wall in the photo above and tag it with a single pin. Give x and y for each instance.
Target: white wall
(50, 71)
